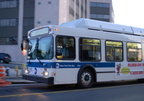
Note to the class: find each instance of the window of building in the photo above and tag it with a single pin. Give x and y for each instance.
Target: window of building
(28, 21)
(85, 9)
(90, 49)
(77, 3)
(3, 41)
(100, 16)
(134, 52)
(77, 16)
(38, 22)
(99, 4)
(100, 11)
(114, 51)
(8, 40)
(49, 2)
(71, 11)
(8, 4)
(82, 11)
(49, 22)
(8, 22)
(39, 3)
(65, 47)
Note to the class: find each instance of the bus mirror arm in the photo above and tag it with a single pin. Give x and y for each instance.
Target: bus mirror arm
(21, 46)
(59, 52)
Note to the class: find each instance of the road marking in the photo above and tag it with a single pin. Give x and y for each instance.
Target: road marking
(55, 92)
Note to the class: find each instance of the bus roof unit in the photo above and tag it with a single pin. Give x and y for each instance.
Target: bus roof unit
(103, 26)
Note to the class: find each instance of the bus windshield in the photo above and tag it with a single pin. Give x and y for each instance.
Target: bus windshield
(31, 49)
(41, 48)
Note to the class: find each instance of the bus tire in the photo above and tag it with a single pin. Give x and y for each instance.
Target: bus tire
(86, 78)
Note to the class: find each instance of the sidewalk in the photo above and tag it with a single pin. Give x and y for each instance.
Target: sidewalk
(17, 80)
(14, 75)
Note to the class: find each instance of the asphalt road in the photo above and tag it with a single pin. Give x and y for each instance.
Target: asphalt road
(120, 91)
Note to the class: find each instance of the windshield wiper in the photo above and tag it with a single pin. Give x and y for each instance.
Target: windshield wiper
(40, 61)
(38, 52)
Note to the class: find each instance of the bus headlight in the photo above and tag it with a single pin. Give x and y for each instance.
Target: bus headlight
(45, 73)
(26, 71)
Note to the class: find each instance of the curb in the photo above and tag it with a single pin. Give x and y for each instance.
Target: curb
(18, 80)
(22, 82)
(13, 77)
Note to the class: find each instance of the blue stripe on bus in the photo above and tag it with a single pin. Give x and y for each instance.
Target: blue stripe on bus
(71, 64)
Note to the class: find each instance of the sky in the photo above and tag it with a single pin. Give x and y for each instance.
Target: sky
(129, 12)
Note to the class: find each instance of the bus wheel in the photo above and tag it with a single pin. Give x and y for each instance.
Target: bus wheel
(86, 78)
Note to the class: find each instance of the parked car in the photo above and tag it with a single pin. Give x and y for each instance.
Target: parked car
(5, 58)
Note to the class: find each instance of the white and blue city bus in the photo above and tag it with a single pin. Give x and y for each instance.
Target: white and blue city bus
(84, 52)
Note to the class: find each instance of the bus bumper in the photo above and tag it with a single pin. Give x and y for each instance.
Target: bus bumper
(49, 80)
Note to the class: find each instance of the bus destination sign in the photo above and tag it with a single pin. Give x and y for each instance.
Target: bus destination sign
(39, 31)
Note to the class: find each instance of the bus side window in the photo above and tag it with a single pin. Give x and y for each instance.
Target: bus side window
(134, 51)
(114, 51)
(65, 47)
(90, 49)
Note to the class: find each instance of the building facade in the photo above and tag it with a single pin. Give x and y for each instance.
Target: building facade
(100, 10)
(19, 16)
(59, 11)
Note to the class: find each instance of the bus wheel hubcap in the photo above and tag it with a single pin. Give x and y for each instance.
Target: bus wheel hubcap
(86, 78)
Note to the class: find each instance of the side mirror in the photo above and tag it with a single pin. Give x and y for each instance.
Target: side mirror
(59, 52)
(24, 45)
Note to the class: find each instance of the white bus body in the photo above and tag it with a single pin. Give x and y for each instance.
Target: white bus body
(92, 44)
